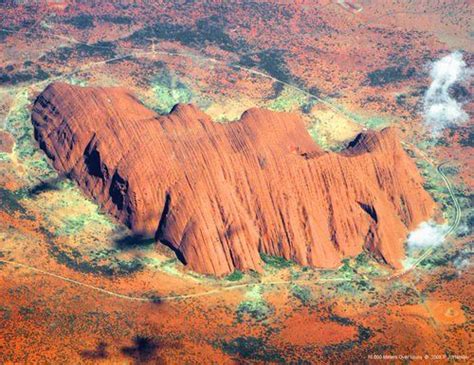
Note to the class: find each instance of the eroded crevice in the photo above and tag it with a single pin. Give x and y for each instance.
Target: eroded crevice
(93, 161)
(164, 216)
(370, 210)
(160, 231)
(118, 190)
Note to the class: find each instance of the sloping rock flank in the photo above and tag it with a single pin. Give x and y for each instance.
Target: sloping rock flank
(218, 194)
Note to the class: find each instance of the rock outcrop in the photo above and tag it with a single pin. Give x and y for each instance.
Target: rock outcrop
(219, 194)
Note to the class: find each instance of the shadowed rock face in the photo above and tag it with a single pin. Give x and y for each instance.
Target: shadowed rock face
(218, 194)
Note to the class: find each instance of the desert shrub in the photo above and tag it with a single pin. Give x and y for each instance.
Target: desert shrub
(235, 276)
(206, 31)
(272, 61)
(276, 261)
(303, 294)
(120, 19)
(9, 202)
(257, 310)
(112, 267)
(468, 140)
(82, 21)
(388, 75)
(252, 348)
(99, 49)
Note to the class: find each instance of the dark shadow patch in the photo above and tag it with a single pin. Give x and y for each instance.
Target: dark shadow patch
(46, 185)
(100, 352)
(155, 299)
(118, 190)
(164, 216)
(143, 350)
(160, 231)
(178, 253)
(370, 210)
(133, 241)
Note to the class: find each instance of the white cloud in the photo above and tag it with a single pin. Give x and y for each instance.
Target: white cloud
(427, 234)
(439, 108)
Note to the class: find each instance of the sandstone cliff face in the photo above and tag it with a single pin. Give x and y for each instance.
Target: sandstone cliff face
(219, 194)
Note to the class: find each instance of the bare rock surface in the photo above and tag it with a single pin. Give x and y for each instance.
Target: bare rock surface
(218, 194)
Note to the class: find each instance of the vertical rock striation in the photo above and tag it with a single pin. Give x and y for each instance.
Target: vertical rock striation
(218, 194)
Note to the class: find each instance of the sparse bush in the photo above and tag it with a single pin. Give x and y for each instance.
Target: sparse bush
(120, 20)
(256, 310)
(235, 276)
(303, 294)
(82, 21)
(388, 75)
(276, 261)
(252, 348)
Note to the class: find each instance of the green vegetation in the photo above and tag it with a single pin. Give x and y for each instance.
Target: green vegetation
(448, 276)
(74, 224)
(153, 296)
(288, 99)
(9, 202)
(82, 21)
(302, 293)
(61, 54)
(208, 31)
(371, 122)
(276, 261)
(235, 276)
(257, 310)
(403, 293)
(346, 269)
(4, 156)
(69, 213)
(5, 313)
(102, 49)
(252, 348)
(439, 257)
(438, 190)
(272, 61)
(356, 271)
(320, 138)
(19, 125)
(389, 75)
(341, 320)
(112, 266)
(363, 334)
(7, 76)
(120, 20)
(99, 49)
(26, 312)
(168, 91)
(467, 140)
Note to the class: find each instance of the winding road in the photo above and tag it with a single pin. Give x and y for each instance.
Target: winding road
(452, 227)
